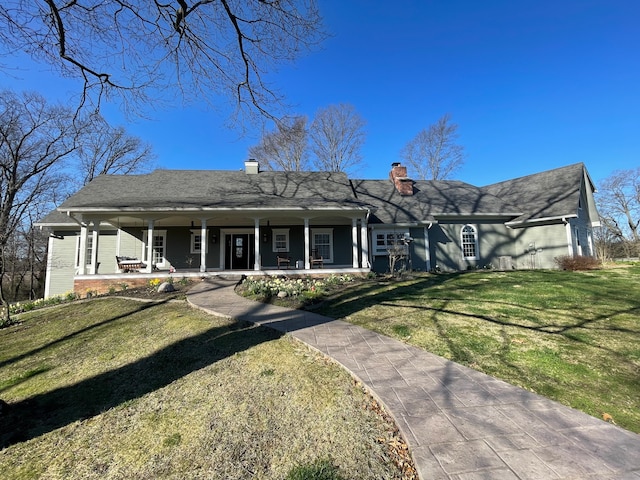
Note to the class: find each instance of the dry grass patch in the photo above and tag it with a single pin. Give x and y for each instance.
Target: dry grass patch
(118, 389)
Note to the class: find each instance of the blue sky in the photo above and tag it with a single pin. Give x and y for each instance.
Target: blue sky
(532, 86)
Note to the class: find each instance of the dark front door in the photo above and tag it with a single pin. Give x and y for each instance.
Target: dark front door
(239, 251)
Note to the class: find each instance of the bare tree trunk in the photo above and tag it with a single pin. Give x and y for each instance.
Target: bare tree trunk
(6, 314)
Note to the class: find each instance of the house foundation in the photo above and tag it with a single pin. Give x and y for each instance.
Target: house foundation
(87, 285)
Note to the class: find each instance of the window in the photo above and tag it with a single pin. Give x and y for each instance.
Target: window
(89, 249)
(196, 241)
(322, 243)
(159, 247)
(280, 237)
(469, 242)
(387, 240)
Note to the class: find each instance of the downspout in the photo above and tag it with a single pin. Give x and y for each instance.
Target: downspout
(369, 241)
(567, 227)
(427, 246)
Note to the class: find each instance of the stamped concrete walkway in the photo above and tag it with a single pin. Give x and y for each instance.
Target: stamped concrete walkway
(459, 423)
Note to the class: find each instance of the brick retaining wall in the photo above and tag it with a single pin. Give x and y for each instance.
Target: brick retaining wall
(100, 286)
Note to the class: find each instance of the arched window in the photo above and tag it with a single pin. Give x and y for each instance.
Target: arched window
(469, 240)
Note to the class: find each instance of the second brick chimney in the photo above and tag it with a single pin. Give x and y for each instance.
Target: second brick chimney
(398, 176)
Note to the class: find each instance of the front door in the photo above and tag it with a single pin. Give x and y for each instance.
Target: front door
(239, 251)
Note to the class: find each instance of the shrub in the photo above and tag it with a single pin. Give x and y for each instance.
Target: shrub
(308, 288)
(29, 305)
(577, 262)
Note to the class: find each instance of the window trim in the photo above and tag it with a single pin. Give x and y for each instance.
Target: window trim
(156, 233)
(384, 249)
(475, 242)
(274, 246)
(192, 245)
(323, 231)
(89, 253)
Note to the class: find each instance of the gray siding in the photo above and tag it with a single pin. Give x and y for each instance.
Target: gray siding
(130, 244)
(494, 240)
(61, 264)
(107, 250)
(536, 247)
(582, 243)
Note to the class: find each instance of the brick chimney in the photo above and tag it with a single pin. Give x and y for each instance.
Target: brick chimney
(398, 176)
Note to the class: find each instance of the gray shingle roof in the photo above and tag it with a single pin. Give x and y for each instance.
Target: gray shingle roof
(431, 199)
(194, 189)
(550, 194)
(55, 219)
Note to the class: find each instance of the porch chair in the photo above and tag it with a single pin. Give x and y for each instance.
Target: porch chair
(283, 260)
(316, 259)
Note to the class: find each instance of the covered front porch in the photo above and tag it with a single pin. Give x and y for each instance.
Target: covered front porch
(291, 242)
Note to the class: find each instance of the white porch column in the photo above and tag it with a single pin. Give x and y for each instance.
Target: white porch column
(204, 245)
(94, 247)
(307, 247)
(256, 232)
(364, 238)
(82, 257)
(150, 226)
(354, 242)
(427, 249)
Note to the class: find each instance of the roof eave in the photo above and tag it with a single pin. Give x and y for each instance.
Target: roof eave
(533, 221)
(103, 210)
(478, 215)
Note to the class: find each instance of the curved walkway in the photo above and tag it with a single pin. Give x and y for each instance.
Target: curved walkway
(459, 423)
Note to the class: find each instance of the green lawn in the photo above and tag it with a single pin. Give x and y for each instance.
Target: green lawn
(571, 336)
(114, 388)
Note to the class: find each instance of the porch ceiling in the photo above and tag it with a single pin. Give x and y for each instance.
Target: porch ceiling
(229, 218)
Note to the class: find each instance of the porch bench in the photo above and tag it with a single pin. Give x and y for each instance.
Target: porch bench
(129, 264)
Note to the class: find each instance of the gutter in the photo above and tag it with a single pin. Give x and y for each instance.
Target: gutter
(121, 210)
(562, 219)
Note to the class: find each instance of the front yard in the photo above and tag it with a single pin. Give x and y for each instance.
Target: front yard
(116, 388)
(570, 336)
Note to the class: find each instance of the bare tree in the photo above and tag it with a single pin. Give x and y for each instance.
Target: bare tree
(433, 154)
(24, 263)
(110, 150)
(34, 139)
(618, 199)
(205, 49)
(337, 136)
(285, 148)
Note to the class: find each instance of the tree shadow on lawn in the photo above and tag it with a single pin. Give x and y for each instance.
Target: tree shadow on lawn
(40, 414)
(412, 296)
(139, 308)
